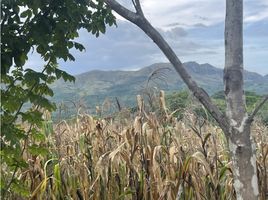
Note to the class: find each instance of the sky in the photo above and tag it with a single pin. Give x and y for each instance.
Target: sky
(193, 28)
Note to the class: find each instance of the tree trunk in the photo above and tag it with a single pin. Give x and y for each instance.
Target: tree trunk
(235, 123)
(243, 153)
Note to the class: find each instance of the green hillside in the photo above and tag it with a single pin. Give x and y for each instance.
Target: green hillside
(94, 87)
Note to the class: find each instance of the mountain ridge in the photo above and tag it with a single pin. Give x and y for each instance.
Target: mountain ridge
(94, 86)
(165, 63)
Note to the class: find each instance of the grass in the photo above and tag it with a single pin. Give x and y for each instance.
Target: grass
(149, 155)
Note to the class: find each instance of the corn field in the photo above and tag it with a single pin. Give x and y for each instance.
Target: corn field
(146, 155)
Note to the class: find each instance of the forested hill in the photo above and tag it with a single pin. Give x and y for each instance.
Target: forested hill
(94, 86)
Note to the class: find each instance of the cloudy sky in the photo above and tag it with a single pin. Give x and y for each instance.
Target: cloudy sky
(194, 28)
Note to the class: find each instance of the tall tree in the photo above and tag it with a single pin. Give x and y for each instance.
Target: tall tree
(241, 146)
(236, 122)
(48, 27)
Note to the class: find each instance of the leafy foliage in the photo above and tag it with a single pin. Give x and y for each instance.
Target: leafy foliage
(183, 100)
(251, 101)
(48, 27)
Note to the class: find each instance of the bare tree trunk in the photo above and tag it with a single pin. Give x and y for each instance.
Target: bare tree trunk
(236, 123)
(243, 153)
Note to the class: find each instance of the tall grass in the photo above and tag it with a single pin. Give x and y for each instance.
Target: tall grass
(151, 155)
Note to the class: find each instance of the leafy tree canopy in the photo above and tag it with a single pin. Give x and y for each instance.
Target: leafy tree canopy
(48, 27)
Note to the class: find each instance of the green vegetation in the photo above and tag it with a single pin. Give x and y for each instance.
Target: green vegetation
(145, 155)
(251, 101)
(49, 28)
(154, 152)
(95, 86)
(184, 100)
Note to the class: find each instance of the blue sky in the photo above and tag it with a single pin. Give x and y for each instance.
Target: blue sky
(194, 28)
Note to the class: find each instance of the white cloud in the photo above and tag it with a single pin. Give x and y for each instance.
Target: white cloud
(184, 12)
(257, 17)
(194, 29)
(256, 11)
(187, 13)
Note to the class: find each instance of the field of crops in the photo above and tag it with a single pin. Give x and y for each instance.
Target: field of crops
(142, 155)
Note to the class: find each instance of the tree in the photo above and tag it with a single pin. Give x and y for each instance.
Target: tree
(236, 122)
(48, 27)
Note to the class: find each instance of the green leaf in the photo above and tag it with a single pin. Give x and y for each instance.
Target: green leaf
(20, 59)
(62, 74)
(21, 163)
(2, 183)
(47, 128)
(19, 188)
(32, 117)
(31, 77)
(67, 77)
(43, 89)
(78, 46)
(26, 13)
(70, 56)
(70, 45)
(39, 137)
(12, 133)
(58, 73)
(57, 176)
(37, 150)
(102, 27)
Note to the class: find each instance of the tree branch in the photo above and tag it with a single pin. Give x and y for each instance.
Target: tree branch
(198, 92)
(121, 10)
(137, 6)
(257, 108)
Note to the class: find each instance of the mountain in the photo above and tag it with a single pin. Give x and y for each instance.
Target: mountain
(94, 86)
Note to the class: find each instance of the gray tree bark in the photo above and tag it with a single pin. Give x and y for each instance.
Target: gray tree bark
(243, 151)
(236, 122)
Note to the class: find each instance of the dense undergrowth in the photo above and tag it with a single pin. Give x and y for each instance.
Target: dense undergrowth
(146, 155)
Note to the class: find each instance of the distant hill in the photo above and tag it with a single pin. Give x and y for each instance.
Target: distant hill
(94, 86)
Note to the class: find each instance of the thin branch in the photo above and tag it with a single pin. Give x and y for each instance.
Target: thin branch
(197, 91)
(257, 108)
(138, 8)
